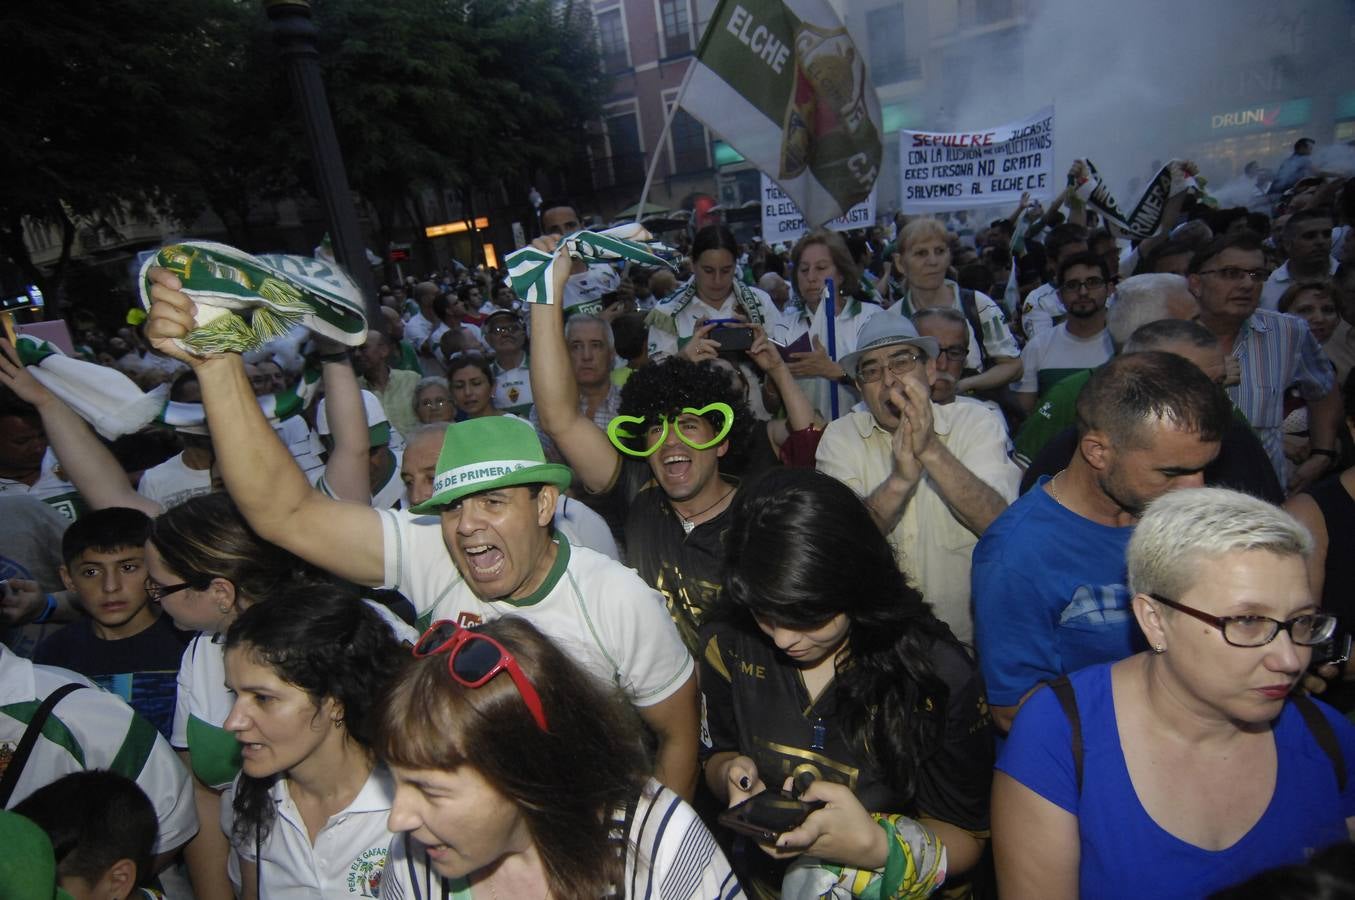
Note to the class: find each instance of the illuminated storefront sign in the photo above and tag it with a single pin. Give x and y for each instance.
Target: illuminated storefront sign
(1262, 116)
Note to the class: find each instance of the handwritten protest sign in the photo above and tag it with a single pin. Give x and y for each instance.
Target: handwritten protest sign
(962, 170)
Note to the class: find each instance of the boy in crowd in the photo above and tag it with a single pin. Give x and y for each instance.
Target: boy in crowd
(124, 644)
(102, 828)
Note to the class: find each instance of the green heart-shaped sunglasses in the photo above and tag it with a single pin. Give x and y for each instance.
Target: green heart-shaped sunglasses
(618, 433)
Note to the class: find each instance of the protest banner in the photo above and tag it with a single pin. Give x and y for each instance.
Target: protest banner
(783, 221)
(781, 82)
(1145, 218)
(941, 171)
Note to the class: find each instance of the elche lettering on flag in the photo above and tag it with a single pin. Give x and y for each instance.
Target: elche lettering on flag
(941, 171)
(782, 82)
(783, 221)
(1146, 217)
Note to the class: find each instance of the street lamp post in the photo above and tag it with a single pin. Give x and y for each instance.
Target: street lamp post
(295, 34)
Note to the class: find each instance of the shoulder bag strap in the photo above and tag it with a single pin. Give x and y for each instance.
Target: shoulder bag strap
(29, 740)
(1324, 735)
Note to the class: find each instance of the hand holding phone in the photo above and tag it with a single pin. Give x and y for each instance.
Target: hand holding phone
(768, 815)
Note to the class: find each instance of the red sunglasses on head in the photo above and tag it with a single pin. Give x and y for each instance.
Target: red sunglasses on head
(473, 659)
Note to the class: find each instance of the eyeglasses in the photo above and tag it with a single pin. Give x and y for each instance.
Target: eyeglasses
(900, 363)
(474, 658)
(618, 435)
(512, 328)
(156, 591)
(433, 402)
(1233, 273)
(955, 352)
(1257, 631)
(1075, 286)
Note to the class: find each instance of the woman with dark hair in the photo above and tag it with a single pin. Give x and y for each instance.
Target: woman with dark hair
(714, 292)
(819, 256)
(828, 666)
(307, 814)
(472, 382)
(206, 566)
(519, 775)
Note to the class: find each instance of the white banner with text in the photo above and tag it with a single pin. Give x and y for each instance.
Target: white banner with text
(783, 221)
(941, 171)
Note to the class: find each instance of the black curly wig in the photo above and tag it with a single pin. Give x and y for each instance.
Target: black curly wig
(665, 388)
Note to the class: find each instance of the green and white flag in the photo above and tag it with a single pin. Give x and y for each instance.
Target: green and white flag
(529, 268)
(244, 301)
(782, 83)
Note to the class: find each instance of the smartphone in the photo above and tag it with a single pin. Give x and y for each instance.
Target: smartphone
(734, 338)
(768, 815)
(1332, 652)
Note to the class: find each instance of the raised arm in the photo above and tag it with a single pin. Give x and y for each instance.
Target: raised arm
(346, 469)
(89, 465)
(592, 457)
(261, 476)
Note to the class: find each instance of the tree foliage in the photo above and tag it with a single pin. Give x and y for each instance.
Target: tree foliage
(186, 106)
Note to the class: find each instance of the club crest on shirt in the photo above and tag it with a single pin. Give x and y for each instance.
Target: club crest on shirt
(364, 873)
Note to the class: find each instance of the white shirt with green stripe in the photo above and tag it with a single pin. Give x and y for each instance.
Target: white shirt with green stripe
(91, 729)
(599, 612)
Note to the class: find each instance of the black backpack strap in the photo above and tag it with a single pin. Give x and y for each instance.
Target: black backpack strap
(1063, 690)
(1324, 735)
(970, 306)
(29, 740)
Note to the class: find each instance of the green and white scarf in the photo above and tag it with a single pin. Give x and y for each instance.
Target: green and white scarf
(665, 317)
(244, 301)
(529, 268)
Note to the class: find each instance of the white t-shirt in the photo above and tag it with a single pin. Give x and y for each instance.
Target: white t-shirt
(597, 610)
(513, 389)
(301, 443)
(1056, 349)
(1041, 309)
(203, 703)
(796, 320)
(172, 482)
(583, 292)
(1280, 281)
(390, 495)
(92, 729)
(51, 488)
(347, 859)
(670, 855)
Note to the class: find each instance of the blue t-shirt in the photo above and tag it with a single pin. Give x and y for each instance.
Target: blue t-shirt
(1124, 852)
(142, 669)
(1049, 596)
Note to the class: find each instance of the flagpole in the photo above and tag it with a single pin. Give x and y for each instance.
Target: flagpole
(830, 297)
(663, 136)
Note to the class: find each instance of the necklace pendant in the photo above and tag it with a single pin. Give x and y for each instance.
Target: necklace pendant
(687, 526)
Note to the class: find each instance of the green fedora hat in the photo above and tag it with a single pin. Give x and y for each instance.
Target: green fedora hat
(488, 453)
(28, 866)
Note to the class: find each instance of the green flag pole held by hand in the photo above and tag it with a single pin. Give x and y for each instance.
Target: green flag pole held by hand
(244, 301)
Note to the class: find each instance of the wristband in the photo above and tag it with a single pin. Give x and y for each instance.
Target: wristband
(341, 357)
(47, 611)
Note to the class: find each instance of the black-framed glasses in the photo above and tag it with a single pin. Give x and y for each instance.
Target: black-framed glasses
(900, 363)
(1235, 273)
(156, 591)
(510, 328)
(955, 352)
(1075, 285)
(1257, 631)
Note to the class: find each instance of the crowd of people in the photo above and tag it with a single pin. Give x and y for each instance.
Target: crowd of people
(926, 559)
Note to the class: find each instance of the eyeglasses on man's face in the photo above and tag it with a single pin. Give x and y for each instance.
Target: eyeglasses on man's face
(901, 363)
(1237, 273)
(1257, 631)
(511, 328)
(1078, 285)
(954, 352)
